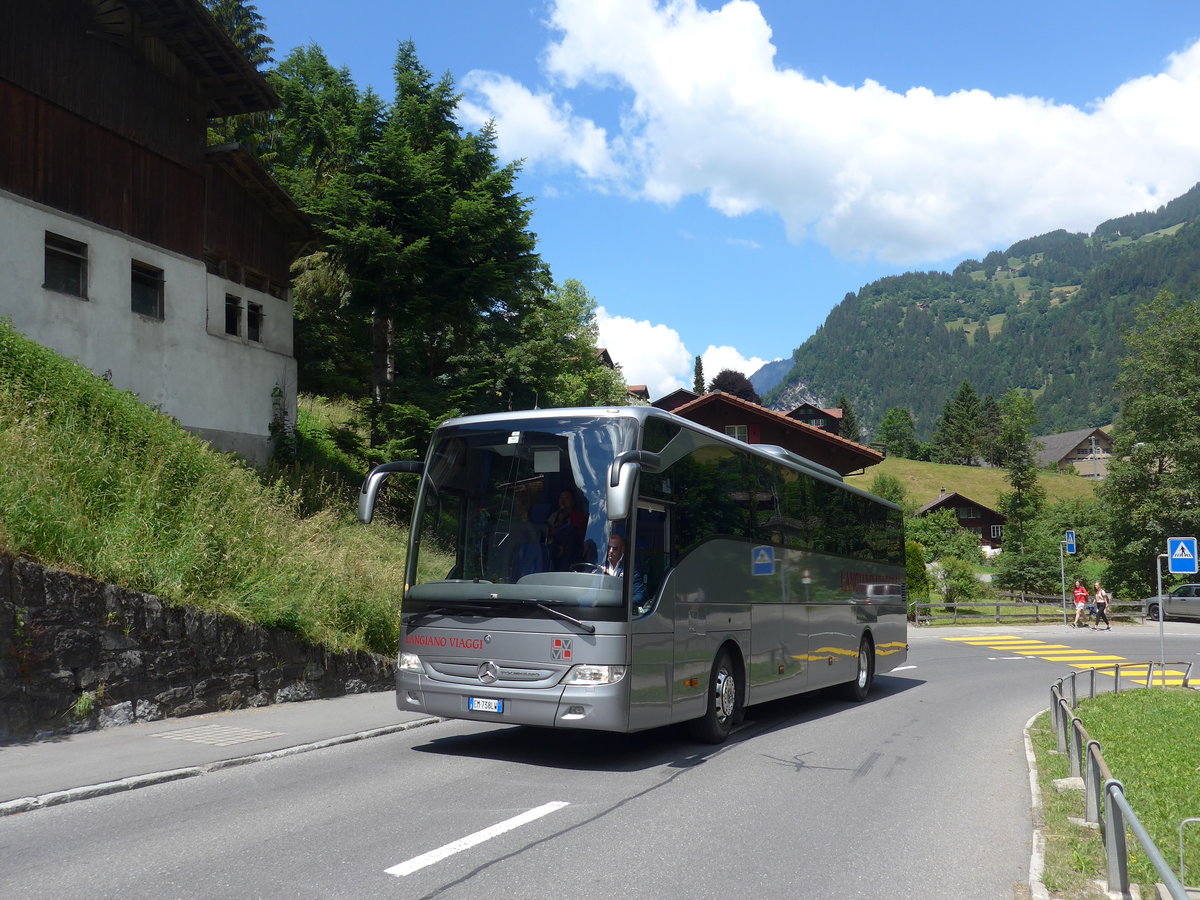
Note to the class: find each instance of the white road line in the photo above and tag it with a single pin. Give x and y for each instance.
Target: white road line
(433, 856)
(902, 668)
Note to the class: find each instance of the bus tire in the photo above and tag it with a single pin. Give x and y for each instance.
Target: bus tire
(724, 699)
(857, 690)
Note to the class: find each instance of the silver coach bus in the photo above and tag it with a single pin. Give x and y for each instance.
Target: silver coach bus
(622, 569)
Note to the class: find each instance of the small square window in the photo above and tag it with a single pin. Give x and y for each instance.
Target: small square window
(741, 432)
(997, 531)
(254, 321)
(146, 290)
(66, 266)
(233, 314)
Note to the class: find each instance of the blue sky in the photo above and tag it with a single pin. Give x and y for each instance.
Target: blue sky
(720, 175)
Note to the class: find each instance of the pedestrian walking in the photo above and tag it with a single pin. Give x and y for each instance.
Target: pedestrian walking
(1101, 601)
(1081, 602)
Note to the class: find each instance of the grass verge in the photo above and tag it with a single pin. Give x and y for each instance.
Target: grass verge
(95, 482)
(1148, 738)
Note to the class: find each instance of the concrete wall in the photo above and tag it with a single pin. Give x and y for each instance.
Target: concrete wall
(63, 636)
(216, 384)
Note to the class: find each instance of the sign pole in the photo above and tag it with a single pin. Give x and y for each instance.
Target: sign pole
(1162, 644)
(1181, 559)
(1062, 569)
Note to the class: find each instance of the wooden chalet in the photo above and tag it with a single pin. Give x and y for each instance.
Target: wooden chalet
(758, 425)
(127, 243)
(972, 516)
(826, 419)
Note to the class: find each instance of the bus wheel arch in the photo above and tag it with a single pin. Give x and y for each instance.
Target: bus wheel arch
(864, 674)
(725, 697)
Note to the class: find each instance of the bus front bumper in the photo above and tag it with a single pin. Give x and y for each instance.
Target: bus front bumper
(598, 707)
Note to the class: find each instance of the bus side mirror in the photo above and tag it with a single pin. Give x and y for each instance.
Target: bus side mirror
(374, 481)
(618, 497)
(622, 480)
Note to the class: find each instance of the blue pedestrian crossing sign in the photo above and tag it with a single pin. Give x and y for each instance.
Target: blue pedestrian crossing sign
(762, 561)
(1070, 541)
(1181, 555)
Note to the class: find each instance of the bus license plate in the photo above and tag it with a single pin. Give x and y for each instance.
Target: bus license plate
(485, 704)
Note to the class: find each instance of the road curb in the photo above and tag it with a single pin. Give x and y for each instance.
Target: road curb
(1037, 855)
(57, 798)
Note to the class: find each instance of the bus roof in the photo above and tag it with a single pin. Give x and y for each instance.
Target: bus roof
(772, 452)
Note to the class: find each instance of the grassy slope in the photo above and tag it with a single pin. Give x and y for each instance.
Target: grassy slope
(94, 481)
(924, 480)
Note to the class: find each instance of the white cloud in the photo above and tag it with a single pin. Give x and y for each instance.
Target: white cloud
(717, 358)
(653, 355)
(868, 171)
(534, 127)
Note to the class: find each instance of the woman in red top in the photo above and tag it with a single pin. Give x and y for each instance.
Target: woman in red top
(1081, 599)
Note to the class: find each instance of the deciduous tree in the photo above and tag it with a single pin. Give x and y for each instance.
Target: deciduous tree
(735, 383)
(1153, 486)
(898, 433)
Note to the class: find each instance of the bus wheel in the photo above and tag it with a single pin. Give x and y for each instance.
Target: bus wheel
(722, 708)
(858, 689)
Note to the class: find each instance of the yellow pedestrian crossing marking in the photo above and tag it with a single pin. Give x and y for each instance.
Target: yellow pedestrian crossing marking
(1072, 656)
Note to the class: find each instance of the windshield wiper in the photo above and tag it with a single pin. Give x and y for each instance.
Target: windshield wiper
(447, 609)
(551, 611)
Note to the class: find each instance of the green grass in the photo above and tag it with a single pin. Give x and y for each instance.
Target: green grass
(95, 482)
(923, 480)
(1148, 739)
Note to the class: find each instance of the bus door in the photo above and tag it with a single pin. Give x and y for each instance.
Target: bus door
(652, 617)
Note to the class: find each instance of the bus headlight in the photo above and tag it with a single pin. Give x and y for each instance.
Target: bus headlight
(595, 675)
(410, 662)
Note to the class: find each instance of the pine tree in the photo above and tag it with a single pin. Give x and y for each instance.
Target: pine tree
(956, 438)
(698, 377)
(849, 428)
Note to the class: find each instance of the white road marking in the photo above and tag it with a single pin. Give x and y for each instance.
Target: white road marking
(433, 856)
(902, 668)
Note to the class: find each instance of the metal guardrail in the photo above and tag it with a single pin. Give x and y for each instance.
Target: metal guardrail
(1039, 607)
(1102, 791)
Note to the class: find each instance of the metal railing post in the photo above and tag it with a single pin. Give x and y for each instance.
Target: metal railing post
(1114, 839)
(1191, 821)
(1077, 747)
(1092, 783)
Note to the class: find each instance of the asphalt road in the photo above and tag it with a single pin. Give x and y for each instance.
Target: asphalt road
(922, 791)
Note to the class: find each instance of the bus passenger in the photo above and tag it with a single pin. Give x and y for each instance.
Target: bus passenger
(565, 529)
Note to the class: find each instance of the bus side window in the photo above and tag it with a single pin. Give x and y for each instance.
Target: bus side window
(653, 551)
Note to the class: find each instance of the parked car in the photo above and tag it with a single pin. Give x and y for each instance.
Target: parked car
(1183, 602)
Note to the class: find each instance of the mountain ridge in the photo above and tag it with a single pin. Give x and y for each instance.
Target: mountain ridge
(1044, 316)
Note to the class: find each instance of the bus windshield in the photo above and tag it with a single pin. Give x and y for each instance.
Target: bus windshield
(517, 512)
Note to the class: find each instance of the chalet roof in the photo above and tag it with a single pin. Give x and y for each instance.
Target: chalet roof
(605, 357)
(864, 456)
(953, 499)
(248, 172)
(675, 399)
(835, 413)
(1056, 446)
(639, 390)
(226, 77)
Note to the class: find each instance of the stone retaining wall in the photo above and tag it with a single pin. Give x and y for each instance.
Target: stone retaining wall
(77, 654)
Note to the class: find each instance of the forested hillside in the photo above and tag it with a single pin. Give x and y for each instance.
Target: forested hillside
(1044, 316)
